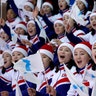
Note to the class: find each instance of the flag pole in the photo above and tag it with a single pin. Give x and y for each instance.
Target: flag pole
(1, 8)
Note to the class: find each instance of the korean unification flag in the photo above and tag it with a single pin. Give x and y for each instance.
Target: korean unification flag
(32, 63)
(81, 89)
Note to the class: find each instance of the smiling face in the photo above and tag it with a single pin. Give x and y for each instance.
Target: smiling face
(81, 57)
(62, 4)
(31, 29)
(17, 56)
(93, 22)
(10, 14)
(7, 59)
(64, 54)
(94, 53)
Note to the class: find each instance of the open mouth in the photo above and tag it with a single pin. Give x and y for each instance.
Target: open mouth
(5, 62)
(60, 6)
(30, 31)
(15, 61)
(79, 62)
(62, 57)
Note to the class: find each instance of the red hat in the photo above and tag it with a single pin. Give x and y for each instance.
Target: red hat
(21, 25)
(47, 50)
(22, 49)
(69, 45)
(84, 45)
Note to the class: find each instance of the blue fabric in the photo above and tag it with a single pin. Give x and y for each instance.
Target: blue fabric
(73, 38)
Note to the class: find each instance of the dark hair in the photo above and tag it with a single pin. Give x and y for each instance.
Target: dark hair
(68, 64)
(90, 62)
(4, 69)
(92, 32)
(93, 66)
(51, 65)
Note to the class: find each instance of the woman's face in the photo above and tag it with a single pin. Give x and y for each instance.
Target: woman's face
(80, 5)
(28, 8)
(7, 59)
(31, 28)
(64, 55)
(65, 19)
(94, 52)
(10, 14)
(17, 56)
(81, 57)
(20, 31)
(46, 60)
(59, 28)
(62, 4)
(93, 22)
(46, 9)
(4, 36)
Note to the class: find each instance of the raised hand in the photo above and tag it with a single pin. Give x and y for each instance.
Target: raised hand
(2, 22)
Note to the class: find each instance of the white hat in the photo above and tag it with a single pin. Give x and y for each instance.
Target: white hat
(47, 3)
(47, 50)
(92, 14)
(7, 51)
(21, 25)
(29, 4)
(85, 3)
(68, 1)
(31, 21)
(84, 45)
(21, 49)
(69, 45)
(66, 13)
(59, 21)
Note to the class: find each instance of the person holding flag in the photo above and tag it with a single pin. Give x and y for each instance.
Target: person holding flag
(84, 63)
(45, 77)
(11, 76)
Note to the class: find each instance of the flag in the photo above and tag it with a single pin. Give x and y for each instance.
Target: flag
(3, 45)
(77, 15)
(18, 91)
(94, 89)
(81, 89)
(42, 30)
(31, 78)
(32, 63)
(1, 61)
(39, 3)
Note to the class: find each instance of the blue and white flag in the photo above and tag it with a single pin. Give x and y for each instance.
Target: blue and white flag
(81, 89)
(32, 63)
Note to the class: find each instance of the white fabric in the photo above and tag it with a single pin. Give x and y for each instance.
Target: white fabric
(47, 3)
(48, 53)
(85, 47)
(32, 63)
(24, 52)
